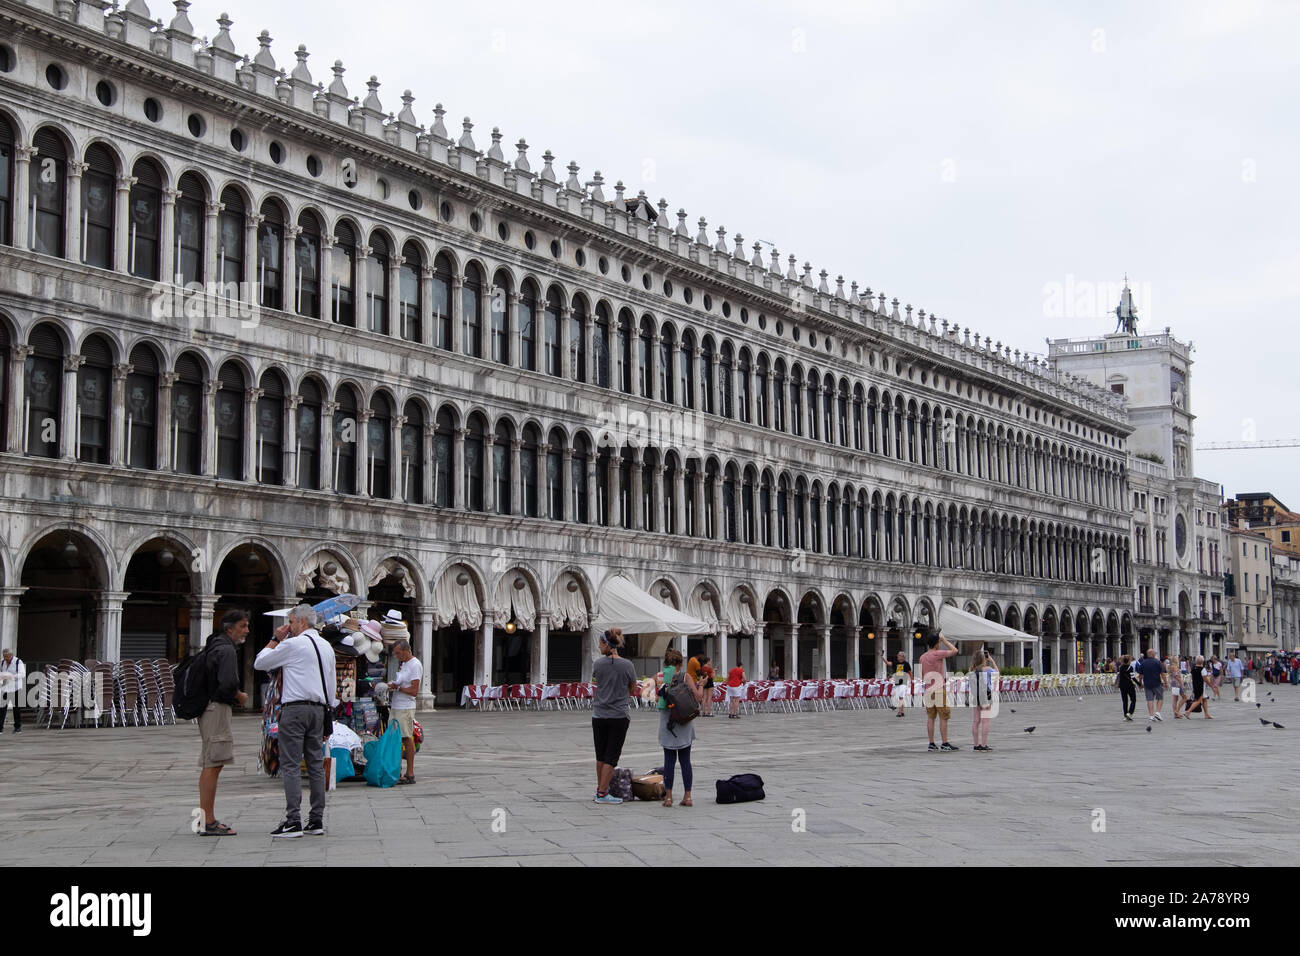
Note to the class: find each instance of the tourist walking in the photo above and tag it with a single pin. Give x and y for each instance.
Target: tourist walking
(902, 674)
(706, 671)
(1216, 674)
(404, 688)
(935, 681)
(1236, 673)
(217, 747)
(1127, 692)
(1176, 690)
(983, 677)
(1152, 673)
(306, 663)
(735, 688)
(615, 680)
(1200, 677)
(13, 687)
(675, 739)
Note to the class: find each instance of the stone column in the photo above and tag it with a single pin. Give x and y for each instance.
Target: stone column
(14, 382)
(289, 442)
(723, 665)
(719, 519)
(9, 604)
(635, 491)
(68, 437)
(427, 698)
(427, 336)
(397, 483)
(395, 296)
(74, 238)
(855, 651)
(363, 449)
(541, 650)
(251, 292)
(568, 509)
(659, 503)
(758, 669)
(426, 439)
(515, 504)
(168, 265)
(211, 241)
(361, 294)
(326, 463)
(790, 668)
(289, 271)
(252, 460)
(163, 433)
(567, 362)
(514, 333)
(121, 223)
(108, 642)
(118, 453)
(483, 653)
(457, 311)
(806, 542)
(826, 651)
(614, 506)
(460, 500)
(593, 504)
(202, 620)
(634, 352)
(679, 499)
(23, 226)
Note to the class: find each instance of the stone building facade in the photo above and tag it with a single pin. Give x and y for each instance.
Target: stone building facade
(265, 342)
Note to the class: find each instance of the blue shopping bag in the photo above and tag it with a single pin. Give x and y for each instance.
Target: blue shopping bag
(384, 757)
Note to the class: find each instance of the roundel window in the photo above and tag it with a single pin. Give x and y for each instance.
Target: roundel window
(1180, 536)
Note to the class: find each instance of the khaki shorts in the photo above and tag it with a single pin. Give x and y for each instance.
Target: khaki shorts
(936, 702)
(405, 719)
(218, 748)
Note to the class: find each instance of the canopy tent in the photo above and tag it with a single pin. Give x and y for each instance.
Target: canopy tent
(626, 606)
(959, 625)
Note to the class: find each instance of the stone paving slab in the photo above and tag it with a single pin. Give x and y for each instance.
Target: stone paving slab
(861, 784)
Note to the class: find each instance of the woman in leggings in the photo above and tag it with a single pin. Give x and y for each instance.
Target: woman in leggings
(1127, 692)
(676, 740)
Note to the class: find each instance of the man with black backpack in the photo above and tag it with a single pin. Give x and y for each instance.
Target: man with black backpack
(221, 669)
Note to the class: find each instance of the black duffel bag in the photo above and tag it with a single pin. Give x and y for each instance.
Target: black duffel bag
(741, 788)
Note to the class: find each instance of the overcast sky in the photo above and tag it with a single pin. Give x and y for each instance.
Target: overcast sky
(974, 159)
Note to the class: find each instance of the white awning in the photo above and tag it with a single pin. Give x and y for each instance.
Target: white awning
(624, 605)
(959, 625)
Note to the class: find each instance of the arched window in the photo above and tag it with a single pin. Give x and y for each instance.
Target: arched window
(144, 233)
(444, 459)
(475, 450)
(377, 292)
(98, 185)
(471, 317)
(626, 503)
(187, 417)
(841, 413)
(600, 346)
(813, 385)
(778, 395)
(691, 525)
(48, 181)
(671, 518)
(270, 430)
(765, 510)
(412, 463)
(846, 525)
(726, 391)
(579, 328)
(872, 414)
(442, 291)
(270, 258)
(42, 393)
(745, 385)
(141, 444)
(604, 461)
(307, 255)
(857, 418)
(860, 523)
(6, 182)
(668, 364)
(729, 496)
(815, 518)
(346, 438)
(94, 401)
(551, 333)
(379, 447)
(796, 400)
(685, 364)
(189, 229)
(706, 376)
(783, 513)
(230, 242)
(528, 327)
(747, 507)
(649, 515)
(555, 476)
(497, 305)
(230, 422)
(581, 454)
(503, 473)
(343, 276)
(307, 435)
(711, 517)
(410, 300)
(529, 476)
(800, 500)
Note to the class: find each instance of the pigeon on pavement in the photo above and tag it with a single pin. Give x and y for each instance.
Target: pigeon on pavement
(1030, 730)
(1264, 722)
(1278, 726)
(1148, 728)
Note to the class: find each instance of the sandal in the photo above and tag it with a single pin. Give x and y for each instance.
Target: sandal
(668, 799)
(686, 801)
(406, 779)
(217, 829)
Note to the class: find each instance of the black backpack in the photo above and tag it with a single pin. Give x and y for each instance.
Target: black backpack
(193, 686)
(741, 788)
(683, 706)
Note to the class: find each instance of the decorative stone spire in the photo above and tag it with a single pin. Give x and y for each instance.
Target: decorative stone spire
(662, 221)
(908, 311)
(573, 183)
(372, 96)
(894, 315)
(702, 237)
(681, 224)
(839, 287)
(521, 161)
(548, 170)
(597, 181)
(300, 72)
(642, 206)
(181, 22)
(439, 131)
(793, 273)
(822, 287)
(880, 308)
(853, 294)
(721, 244)
(263, 56)
(740, 247)
(407, 115)
(222, 40)
(466, 140)
(494, 151)
(757, 261)
(337, 86)
(775, 267)
(619, 202)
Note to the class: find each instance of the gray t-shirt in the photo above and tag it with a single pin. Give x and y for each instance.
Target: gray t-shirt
(612, 676)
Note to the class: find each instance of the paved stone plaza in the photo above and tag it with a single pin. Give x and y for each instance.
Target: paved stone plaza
(1214, 792)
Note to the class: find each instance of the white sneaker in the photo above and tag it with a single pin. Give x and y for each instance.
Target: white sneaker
(1158, 717)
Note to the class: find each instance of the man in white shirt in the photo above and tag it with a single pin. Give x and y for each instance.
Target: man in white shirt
(405, 687)
(13, 680)
(1237, 671)
(307, 664)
